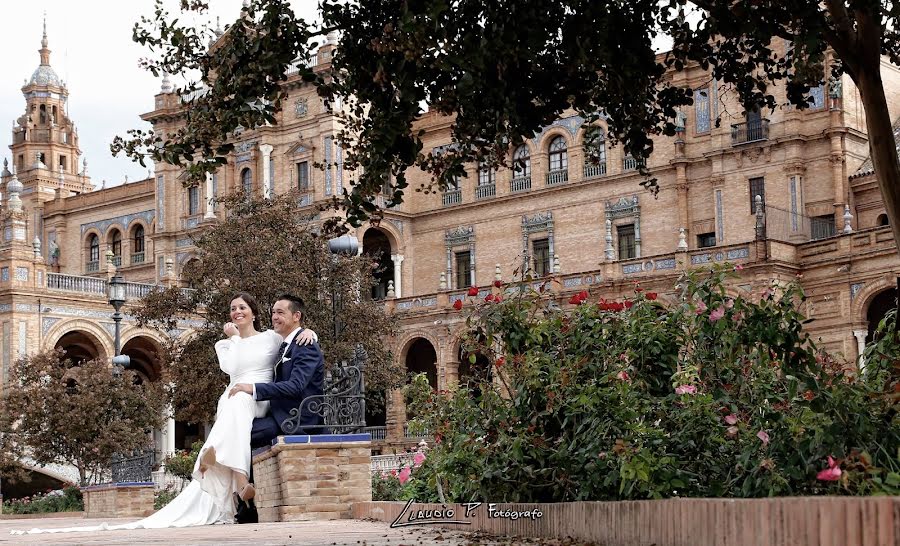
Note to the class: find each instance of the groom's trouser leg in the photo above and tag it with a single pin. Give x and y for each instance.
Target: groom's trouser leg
(265, 429)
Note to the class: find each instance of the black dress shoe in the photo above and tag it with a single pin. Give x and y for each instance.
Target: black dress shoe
(246, 511)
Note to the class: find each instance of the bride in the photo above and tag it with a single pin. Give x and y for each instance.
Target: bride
(223, 467)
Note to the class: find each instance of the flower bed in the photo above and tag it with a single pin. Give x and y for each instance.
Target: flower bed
(69, 499)
(716, 395)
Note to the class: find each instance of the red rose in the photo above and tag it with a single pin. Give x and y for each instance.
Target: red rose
(628, 304)
(498, 298)
(638, 289)
(498, 284)
(651, 295)
(583, 295)
(489, 298)
(473, 290)
(574, 300)
(500, 362)
(457, 305)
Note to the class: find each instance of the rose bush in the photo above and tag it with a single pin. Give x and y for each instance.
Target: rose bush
(715, 395)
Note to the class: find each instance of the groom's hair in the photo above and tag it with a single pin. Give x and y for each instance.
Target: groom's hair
(295, 302)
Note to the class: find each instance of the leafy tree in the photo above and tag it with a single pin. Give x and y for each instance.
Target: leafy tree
(503, 70)
(78, 415)
(266, 248)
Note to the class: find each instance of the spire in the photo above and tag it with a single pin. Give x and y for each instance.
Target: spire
(166, 86)
(13, 189)
(45, 53)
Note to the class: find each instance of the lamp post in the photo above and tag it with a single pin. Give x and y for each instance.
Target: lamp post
(347, 245)
(116, 295)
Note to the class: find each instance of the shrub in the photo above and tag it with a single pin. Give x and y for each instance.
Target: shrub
(68, 499)
(415, 480)
(713, 396)
(181, 463)
(164, 496)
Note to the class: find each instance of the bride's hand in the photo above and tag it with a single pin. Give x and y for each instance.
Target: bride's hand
(306, 337)
(230, 329)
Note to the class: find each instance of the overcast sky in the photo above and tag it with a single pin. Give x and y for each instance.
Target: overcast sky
(93, 53)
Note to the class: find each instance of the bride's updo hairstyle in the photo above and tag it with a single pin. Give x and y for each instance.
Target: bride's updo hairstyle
(251, 303)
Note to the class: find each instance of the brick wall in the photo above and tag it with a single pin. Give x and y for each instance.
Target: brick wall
(312, 481)
(118, 501)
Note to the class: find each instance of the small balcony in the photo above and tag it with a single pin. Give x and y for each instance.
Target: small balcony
(137, 258)
(522, 183)
(555, 178)
(485, 191)
(92, 267)
(453, 197)
(117, 260)
(751, 131)
(592, 170)
(630, 164)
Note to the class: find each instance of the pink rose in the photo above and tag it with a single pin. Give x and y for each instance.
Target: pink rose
(731, 419)
(729, 303)
(716, 314)
(418, 459)
(623, 375)
(763, 437)
(685, 389)
(738, 267)
(404, 474)
(830, 474)
(701, 307)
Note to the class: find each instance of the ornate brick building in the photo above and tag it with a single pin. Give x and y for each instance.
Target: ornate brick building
(818, 214)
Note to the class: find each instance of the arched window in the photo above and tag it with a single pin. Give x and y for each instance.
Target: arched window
(116, 246)
(43, 114)
(137, 246)
(883, 220)
(559, 154)
(247, 181)
(595, 152)
(559, 162)
(521, 162)
(93, 263)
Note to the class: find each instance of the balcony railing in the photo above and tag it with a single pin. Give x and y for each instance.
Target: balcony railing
(557, 177)
(593, 171)
(117, 260)
(453, 197)
(522, 183)
(378, 433)
(486, 190)
(75, 283)
(416, 432)
(631, 164)
(752, 131)
(92, 267)
(136, 291)
(137, 258)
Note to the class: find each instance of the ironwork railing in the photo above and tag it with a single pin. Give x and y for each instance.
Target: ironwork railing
(751, 131)
(485, 190)
(557, 177)
(453, 197)
(631, 164)
(137, 467)
(137, 258)
(794, 227)
(342, 407)
(593, 171)
(522, 183)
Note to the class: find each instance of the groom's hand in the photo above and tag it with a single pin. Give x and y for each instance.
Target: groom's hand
(241, 387)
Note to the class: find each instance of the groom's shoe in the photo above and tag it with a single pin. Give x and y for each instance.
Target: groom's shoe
(246, 511)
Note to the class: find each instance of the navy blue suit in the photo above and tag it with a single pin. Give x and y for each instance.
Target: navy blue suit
(300, 374)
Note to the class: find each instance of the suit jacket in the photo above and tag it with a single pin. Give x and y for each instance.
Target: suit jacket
(300, 373)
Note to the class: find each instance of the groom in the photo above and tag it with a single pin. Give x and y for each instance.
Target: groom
(299, 372)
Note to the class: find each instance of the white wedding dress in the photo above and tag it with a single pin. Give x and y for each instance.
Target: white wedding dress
(209, 498)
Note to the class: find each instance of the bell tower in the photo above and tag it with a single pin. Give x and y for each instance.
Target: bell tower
(45, 151)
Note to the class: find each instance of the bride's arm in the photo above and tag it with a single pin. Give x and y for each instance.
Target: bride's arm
(226, 350)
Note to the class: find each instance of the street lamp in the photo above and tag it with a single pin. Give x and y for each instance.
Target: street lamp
(116, 294)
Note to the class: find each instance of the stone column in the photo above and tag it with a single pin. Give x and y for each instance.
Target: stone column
(169, 436)
(860, 336)
(398, 262)
(266, 150)
(210, 214)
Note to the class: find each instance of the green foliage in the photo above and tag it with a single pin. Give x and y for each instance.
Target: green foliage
(181, 463)
(164, 496)
(68, 499)
(501, 71)
(279, 251)
(415, 480)
(714, 396)
(80, 415)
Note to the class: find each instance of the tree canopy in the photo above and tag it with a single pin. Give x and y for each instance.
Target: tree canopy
(503, 70)
(267, 248)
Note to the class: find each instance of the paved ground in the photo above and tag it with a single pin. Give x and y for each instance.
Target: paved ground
(324, 533)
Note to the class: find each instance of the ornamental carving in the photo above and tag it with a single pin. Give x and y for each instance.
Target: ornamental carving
(623, 208)
(462, 235)
(301, 107)
(542, 221)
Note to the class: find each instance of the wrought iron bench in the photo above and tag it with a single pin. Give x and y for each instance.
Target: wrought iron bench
(342, 406)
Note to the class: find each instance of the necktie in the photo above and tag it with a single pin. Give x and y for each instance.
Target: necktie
(280, 353)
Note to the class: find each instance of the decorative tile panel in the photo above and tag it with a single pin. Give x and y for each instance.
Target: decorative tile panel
(22, 274)
(631, 269)
(666, 263)
(700, 259)
(160, 201)
(462, 235)
(301, 107)
(339, 168)
(181, 243)
(720, 217)
(701, 110)
(736, 253)
(569, 283)
(125, 221)
(4, 274)
(855, 288)
(48, 323)
(456, 297)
